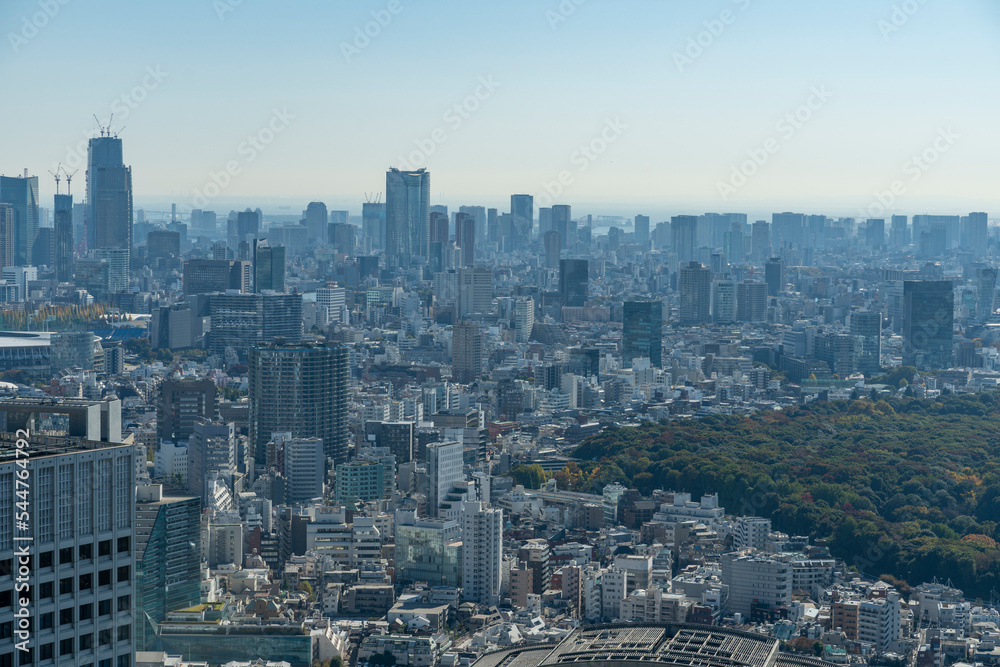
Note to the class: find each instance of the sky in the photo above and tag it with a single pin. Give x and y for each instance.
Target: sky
(663, 107)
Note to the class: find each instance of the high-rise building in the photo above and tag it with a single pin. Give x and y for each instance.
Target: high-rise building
(117, 260)
(524, 319)
(365, 479)
(211, 455)
(182, 404)
(642, 332)
(302, 390)
(898, 233)
(986, 291)
(724, 301)
(642, 229)
(684, 236)
(875, 233)
(552, 244)
(444, 468)
(866, 327)
(544, 220)
(760, 241)
(482, 550)
(22, 194)
(478, 214)
(465, 237)
(397, 437)
(316, 219)
(751, 302)
(343, 238)
(63, 246)
(428, 550)
(167, 559)
(373, 224)
(7, 216)
(562, 222)
(203, 223)
(756, 579)
(333, 302)
(81, 537)
(774, 276)
(268, 266)
(407, 221)
(695, 284)
(522, 210)
(475, 291)
(243, 320)
(109, 196)
(928, 323)
(574, 282)
(787, 229)
(466, 352)
(204, 276)
(304, 469)
(976, 233)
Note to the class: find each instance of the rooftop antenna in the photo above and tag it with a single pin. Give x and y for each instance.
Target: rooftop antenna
(55, 174)
(69, 180)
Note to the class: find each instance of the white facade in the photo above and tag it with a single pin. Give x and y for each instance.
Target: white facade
(756, 579)
(444, 468)
(304, 467)
(482, 544)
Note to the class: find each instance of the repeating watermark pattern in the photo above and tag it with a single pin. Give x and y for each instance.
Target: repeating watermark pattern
(562, 12)
(714, 28)
(120, 109)
(581, 159)
(786, 128)
(900, 16)
(23, 537)
(34, 24)
(248, 150)
(454, 117)
(365, 34)
(223, 7)
(912, 171)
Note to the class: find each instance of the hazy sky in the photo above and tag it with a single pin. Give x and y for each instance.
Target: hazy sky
(192, 79)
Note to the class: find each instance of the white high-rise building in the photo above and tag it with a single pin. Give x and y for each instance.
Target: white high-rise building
(304, 467)
(751, 532)
(756, 579)
(444, 468)
(524, 319)
(724, 301)
(482, 542)
(332, 302)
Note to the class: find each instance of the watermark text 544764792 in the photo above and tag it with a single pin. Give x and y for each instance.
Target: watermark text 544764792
(23, 537)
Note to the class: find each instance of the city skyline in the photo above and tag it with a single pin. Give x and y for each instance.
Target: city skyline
(869, 91)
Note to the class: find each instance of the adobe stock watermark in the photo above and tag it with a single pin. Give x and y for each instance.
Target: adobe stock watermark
(697, 45)
(32, 25)
(913, 170)
(223, 7)
(120, 109)
(249, 150)
(581, 158)
(900, 16)
(454, 118)
(786, 128)
(23, 538)
(370, 31)
(562, 12)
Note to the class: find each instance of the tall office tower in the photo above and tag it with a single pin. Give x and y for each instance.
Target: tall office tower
(182, 403)
(475, 291)
(248, 225)
(562, 222)
(928, 323)
(493, 231)
(787, 229)
(642, 229)
(936, 234)
(118, 267)
(724, 301)
(875, 233)
(22, 194)
(203, 223)
(444, 468)
(986, 290)
(466, 352)
(684, 236)
(544, 220)
(109, 196)
(898, 236)
(482, 552)
(333, 301)
(167, 558)
(240, 321)
(373, 223)
(866, 327)
(734, 245)
(343, 237)
(163, 243)
(63, 256)
(977, 229)
(760, 242)
(304, 469)
(774, 276)
(552, 242)
(642, 332)
(696, 293)
(302, 390)
(574, 282)
(751, 302)
(524, 319)
(316, 219)
(465, 237)
(203, 276)
(7, 217)
(522, 210)
(211, 456)
(407, 217)
(268, 266)
(478, 214)
(439, 227)
(80, 537)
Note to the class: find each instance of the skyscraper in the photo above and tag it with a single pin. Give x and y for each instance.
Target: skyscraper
(304, 469)
(522, 208)
(268, 266)
(302, 390)
(642, 229)
(552, 244)
(977, 233)
(751, 302)
(211, 455)
(482, 549)
(316, 220)
(760, 241)
(875, 233)
(466, 352)
(866, 327)
(928, 323)
(986, 290)
(22, 194)
(574, 282)
(465, 237)
(724, 301)
(642, 332)
(696, 293)
(562, 222)
(109, 196)
(182, 403)
(444, 468)
(407, 221)
(475, 291)
(684, 236)
(898, 233)
(7, 216)
(373, 224)
(524, 319)
(774, 276)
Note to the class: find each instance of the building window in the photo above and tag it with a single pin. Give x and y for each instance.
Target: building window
(45, 559)
(27, 657)
(104, 637)
(104, 578)
(123, 573)
(86, 642)
(47, 652)
(45, 621)
(45, 590)
(123, 544)
(124, 603)
(66, 586)
(86, 581)
(123, 632)
(66, 616)
(66, 646)
(86, 612)
(104, 608)
(104, 548)
(86, 552)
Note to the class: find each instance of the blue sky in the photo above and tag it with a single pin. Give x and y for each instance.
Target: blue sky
(559, 77)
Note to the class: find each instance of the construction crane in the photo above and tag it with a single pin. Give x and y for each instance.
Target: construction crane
(69, 180)
(55, 174)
